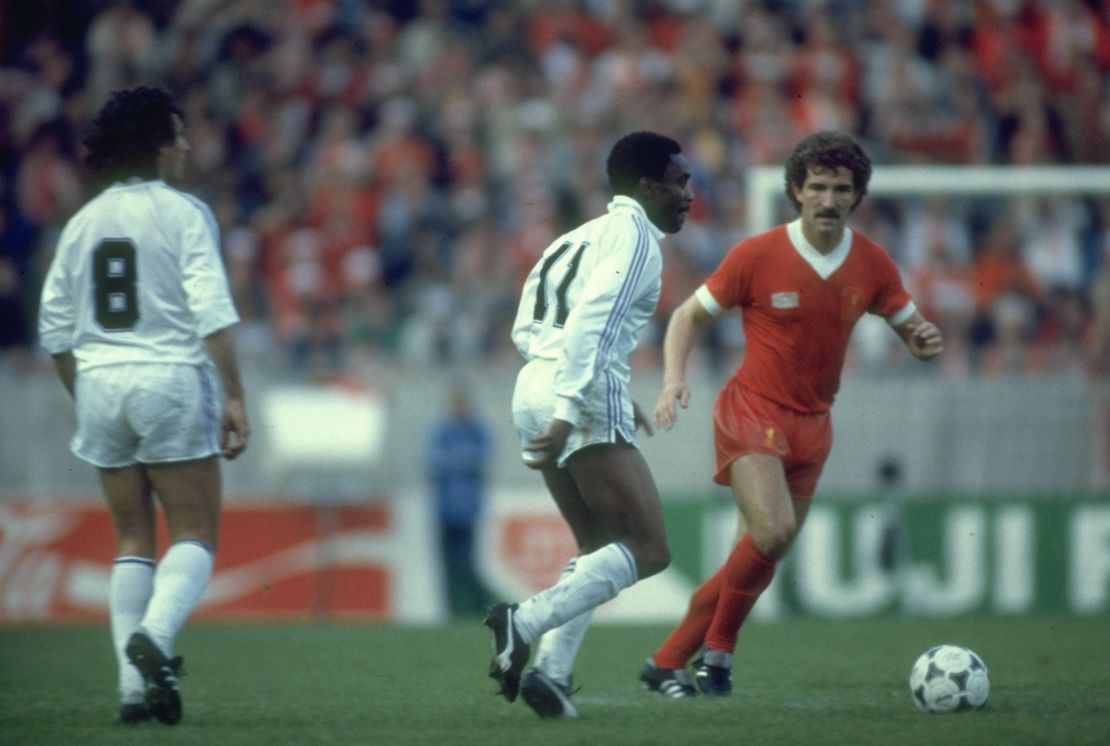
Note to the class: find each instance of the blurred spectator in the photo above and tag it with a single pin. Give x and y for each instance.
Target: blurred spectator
(942, 287)
(457, 458)
(15, 327)
(1006, 296)
(930, 223)
(365, 152)
(1053, 228)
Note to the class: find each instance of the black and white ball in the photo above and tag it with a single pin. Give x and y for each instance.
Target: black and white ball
(949, 678)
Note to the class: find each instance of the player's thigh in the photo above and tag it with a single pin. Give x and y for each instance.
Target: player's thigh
(127, 492)
(616, 484)
(589, 532)
(759, 486)
(191, 495)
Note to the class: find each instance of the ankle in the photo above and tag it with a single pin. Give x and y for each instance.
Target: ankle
(718, 658)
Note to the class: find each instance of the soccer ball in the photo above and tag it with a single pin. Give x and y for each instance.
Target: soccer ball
(949, 678)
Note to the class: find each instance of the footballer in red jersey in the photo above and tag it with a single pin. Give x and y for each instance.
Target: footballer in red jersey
(800, 289)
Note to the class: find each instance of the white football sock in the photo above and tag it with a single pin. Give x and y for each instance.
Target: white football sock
(558, 648)
(179, 582)
(129, 589)
(597, 577)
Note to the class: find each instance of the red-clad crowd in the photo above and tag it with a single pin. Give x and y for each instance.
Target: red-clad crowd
(384, 173)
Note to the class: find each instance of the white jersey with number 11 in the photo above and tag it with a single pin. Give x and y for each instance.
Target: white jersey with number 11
(588, 297)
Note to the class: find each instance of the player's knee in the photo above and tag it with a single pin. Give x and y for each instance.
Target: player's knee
(775, 538)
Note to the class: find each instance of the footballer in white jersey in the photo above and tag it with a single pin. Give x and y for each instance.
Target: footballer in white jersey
(136, 314)
(137, 277)
(581, 308)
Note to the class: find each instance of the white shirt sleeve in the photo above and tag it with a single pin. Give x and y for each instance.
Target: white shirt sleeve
(901, 316)
(203, 275)
(708, 302)
(522, 326)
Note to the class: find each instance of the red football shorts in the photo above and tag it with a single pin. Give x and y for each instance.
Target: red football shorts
(745, 422)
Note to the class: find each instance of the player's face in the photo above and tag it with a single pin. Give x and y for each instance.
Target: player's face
(827, 198)
(670, 198)
(171, 158)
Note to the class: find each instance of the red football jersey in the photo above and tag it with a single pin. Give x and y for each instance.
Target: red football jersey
(799, 307)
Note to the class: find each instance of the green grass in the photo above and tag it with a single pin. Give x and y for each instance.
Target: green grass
(797, 682)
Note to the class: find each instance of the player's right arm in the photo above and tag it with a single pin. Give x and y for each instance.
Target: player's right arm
(58, 315)
(678, 342)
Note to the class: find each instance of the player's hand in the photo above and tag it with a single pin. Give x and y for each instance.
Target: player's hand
(665, 414)
(546, 447)
(641, 420)
(925, 341)
(235, 430)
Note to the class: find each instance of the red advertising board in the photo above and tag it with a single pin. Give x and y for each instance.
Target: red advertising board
(276, 559)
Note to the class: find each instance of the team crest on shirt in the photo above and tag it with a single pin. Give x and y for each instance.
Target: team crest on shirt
(851, 303)
(785, 300)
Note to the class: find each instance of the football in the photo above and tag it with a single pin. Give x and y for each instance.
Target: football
(949, 678)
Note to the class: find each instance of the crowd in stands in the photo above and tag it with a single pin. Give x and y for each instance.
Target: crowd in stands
(385, 173)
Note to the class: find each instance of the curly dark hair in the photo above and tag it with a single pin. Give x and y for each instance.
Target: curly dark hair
(827, 151)
(128, 133)
(637, 155)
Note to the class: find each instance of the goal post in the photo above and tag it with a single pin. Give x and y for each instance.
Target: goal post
(766, 184)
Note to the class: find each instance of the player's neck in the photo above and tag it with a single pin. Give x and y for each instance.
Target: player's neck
(824, 243)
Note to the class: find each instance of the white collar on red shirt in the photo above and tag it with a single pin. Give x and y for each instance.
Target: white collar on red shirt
(621, 200)
(823, 264)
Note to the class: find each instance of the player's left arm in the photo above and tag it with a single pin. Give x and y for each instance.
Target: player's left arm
(921, 337)
(234, 426)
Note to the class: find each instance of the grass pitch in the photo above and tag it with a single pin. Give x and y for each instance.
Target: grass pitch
(798, 682)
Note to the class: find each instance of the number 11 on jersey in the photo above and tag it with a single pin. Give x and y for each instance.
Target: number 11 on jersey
(562, 309)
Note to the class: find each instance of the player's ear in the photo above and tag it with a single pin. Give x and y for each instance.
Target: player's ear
(647, 187)
(796, 190)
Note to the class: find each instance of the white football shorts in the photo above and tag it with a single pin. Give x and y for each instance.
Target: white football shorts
(146, 413)
(607, 416)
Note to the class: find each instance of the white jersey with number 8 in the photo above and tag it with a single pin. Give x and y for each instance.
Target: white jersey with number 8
(137, 277)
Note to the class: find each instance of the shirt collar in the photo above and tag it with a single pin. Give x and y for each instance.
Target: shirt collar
(823, 264)
(624, 202)
(132, 181)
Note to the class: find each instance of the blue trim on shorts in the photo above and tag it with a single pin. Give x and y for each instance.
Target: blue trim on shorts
(211, 429)
(130, 559)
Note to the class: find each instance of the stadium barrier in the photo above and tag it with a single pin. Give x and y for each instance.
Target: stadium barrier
(377, 559)
(974, 436)
(277, 559)
(853, 558)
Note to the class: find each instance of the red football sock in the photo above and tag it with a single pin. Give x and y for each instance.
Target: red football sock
(747, 573)
(688, 636)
